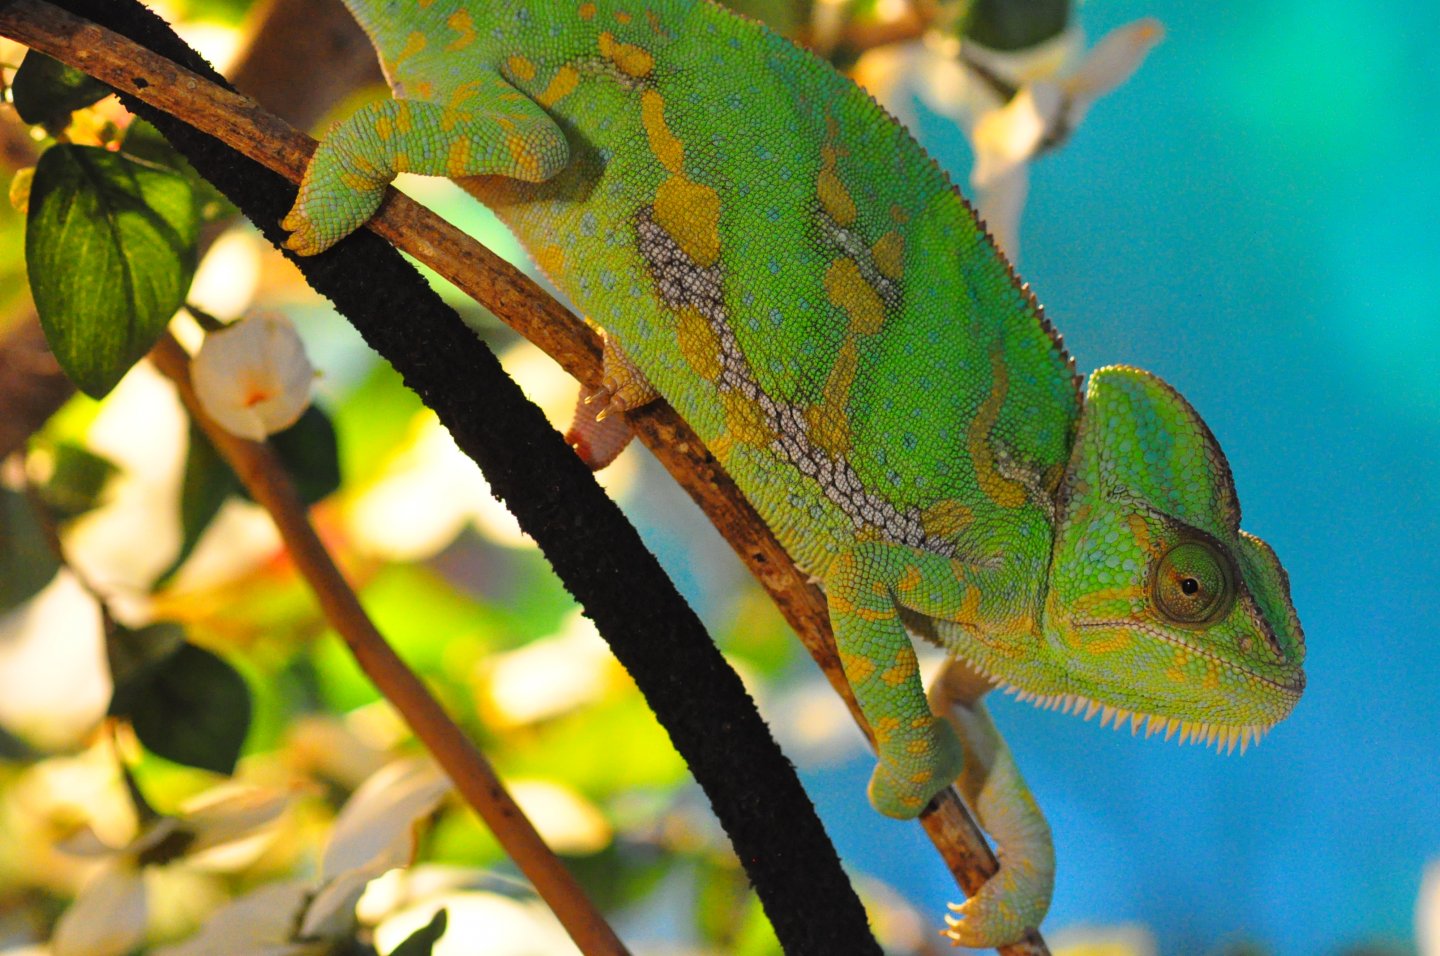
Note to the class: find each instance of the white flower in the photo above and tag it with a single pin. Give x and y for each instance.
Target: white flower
(374, 832)
(253, 377)
(223, 828)
(1054, 87)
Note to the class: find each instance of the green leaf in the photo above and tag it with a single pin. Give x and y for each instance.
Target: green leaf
(110, 246)
(194, 710)
(27, 562)
(135, 659)
(47, 91)
(208, 483)
(422, 941)
(77, 480)
(309, 451)
(146, 144)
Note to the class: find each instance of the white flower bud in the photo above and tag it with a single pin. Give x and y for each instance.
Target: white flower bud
(253, 377)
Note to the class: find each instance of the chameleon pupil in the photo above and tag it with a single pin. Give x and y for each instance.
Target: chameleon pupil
(1189, 585)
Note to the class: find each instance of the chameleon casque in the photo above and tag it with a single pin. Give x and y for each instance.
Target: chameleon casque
(781, 261)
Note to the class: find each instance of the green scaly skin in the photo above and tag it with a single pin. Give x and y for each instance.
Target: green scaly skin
(781, 261)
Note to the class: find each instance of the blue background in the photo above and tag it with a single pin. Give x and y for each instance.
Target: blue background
(1256, 218)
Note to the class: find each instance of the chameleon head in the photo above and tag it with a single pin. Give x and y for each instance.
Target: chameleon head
(1159, 607)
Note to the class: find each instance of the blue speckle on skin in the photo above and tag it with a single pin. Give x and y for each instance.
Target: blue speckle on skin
(777, 318)
(909, 441)
(774, 266)
(748, 298)
(588, 224)
(608, 281)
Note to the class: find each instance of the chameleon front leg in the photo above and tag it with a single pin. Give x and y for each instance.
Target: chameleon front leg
(919, 753)
(484, 127)
(1018, 896)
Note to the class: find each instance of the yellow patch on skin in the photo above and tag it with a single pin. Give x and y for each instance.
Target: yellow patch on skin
(526, 160)
(885, 728)
(1211, 680)
(586, 11)
(946, 517)
(827, 424)
(836, 199)
(920, 776)
(699, 345)
(690, 213)
(910, 580)
(663, 143)
(622, 17)
(898, 215)
(458, 159)
(918, 747)
(384, 127)
(550, 258)
(1118, 641)
(561, 85)
(744, 421)
(421, 90)
(414, 43)
(630, 59)
(521, 68)
(464, 27)
(1005, 492)
(857, 669)
(1177, 675)
(355, 181)
(889, 255)
(847, 289)
(903, 670)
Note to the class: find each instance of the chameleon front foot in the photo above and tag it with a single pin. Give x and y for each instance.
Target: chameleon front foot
(902, 786)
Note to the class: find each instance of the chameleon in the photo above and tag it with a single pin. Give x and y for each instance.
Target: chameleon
(771, 253)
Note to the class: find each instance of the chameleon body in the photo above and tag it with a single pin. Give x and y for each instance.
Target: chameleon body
(779, 259)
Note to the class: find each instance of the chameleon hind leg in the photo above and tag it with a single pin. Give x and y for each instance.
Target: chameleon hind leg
(483, 127)
(919, 754)
(1018, 896)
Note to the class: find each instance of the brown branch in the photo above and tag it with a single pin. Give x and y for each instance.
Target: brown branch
(520, 302)
(265, 478)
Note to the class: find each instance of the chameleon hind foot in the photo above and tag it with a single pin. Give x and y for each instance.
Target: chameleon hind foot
(598, 432)
(1017, 897)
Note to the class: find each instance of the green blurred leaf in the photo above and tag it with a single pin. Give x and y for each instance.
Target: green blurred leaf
(1015, 24)
(27, 562)
(135, 658)
(110, 246)
(144, 143)
(77, 480)
(309, 451)
(422, 941)
(47, 91)
(207, 484)
(194, 710)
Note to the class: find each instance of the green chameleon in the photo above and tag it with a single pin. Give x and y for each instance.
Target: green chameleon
(775, 256)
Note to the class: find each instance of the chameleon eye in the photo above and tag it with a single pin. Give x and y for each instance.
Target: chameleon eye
(1193, 584)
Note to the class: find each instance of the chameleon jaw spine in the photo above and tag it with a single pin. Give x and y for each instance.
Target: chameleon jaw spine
(1224, 737)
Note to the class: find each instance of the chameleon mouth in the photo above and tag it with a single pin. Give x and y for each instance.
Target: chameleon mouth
(1290, 689)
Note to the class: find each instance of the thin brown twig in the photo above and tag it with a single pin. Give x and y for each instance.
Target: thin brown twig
(268, 483)
(516, 299)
